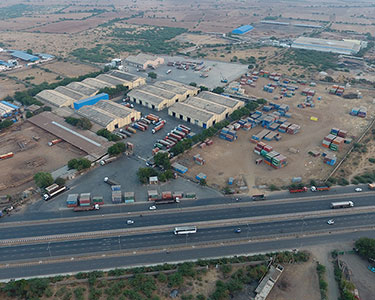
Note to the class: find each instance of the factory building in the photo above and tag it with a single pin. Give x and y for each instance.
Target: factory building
(24, 56)
(109, 115)
(70, 93)
(96, 83)
(143, 61)
(348, 47)
(8, 109)
(90, 101)
(243, 29)
(205, 110)
(132, 81)
(54, 98)
(162, 94)
(82, 88)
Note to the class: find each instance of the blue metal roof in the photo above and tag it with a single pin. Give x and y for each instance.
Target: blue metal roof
(45, 55)
(243, 29)
(4, 63)
(24, 56)
(9, 104)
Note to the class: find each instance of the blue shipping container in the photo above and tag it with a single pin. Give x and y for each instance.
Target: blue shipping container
(90, 101)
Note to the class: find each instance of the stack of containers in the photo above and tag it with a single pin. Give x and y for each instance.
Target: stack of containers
(279, 161)
(97, 200)
(269, 137)
(85, 199)
(116, 194)
(179, 168)
(340, 91)
(237, 126)
(152, 195)
(268, 120)
(201, 176)
(267, 108)
(259, 147)
(199, 160)
(354, 111)
(330, 159)
(166, 195)
(227, 134)
(247, 126)
(129, 197)
(293, 129)
(337, 143)
(190, 195)
(178, 195)
(268, 157)
(72, 200)
(308, 92)
(284, 127)
(273, 126)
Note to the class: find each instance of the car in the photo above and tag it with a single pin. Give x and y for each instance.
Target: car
(358, 190)
(330, 222)
(153, 207)
(313, 189)
(238, 230)
(129, 222)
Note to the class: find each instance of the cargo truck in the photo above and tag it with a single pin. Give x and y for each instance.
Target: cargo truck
(343, 204)
(166, 201)
(258, 197)
(53, 190)
(300, 190)
(371, 186)
(87, 208)
(320, 188)
(152, 118)
(110, 181)
(54, 142)
(107, 160)
(158, 127)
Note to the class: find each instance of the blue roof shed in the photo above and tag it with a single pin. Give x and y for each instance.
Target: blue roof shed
(90, 101)
(24, 56)
(9, 104)
(44, 55)
(243, 29)
(4, 63)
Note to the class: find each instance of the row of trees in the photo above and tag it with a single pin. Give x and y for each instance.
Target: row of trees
(113, 92)
(80, 123)
(116, 149)
(79, 164)
(108, 135)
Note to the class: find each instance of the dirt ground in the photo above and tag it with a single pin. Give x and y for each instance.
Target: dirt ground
(299, 281)
(69, 69)
(34, 156)
(237, 159)
(35, 75)
(362, 278)
(9, 87)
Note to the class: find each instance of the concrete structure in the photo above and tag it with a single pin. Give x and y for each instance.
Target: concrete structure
(162, 94)
(82, 88)
(243, 29)
(109, 114)
(205, 110)
(266, 285)
(348, 47)
(54, 98)
(142, 61)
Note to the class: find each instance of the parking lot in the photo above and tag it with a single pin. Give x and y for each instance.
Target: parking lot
(217, 71)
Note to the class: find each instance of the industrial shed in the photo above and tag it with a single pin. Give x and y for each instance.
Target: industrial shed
(109, 114)
(142, 61)
(90, 101)
(243, 29)
(147, 99)
(24, 56)
(133, 81)
(70, 93)
(114, 81)
(185, 91)
(205, 110)
(96, 83)
(82, 88)
(348, 47)
(54, 98)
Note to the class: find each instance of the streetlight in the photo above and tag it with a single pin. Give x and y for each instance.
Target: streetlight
(49, 249)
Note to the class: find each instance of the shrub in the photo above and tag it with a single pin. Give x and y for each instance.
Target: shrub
(108, 135)
(79, 164)
(43, 179)
(116, 149)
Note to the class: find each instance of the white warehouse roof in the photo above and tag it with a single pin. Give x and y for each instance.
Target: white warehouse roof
(342, 47)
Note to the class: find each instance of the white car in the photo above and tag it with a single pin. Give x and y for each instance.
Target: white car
(152, 207)
(330, 222)
(129, 222)
(313, 189)
(358, 190)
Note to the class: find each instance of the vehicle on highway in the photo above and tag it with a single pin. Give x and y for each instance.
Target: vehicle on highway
(358, 189)
(330, 222)
(258, 197)
(343, 204)
(153, 207)
(320, 188)
(129, 222)
(185, 230)
(299, 190)
(238, 230)
(110, 181)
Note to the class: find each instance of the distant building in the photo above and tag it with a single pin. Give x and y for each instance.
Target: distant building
(142, 61)
(24, 56)
(243, 29)
(348, 47)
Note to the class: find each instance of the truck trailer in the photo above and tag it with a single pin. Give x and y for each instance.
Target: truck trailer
(110, 181)
(53, 190)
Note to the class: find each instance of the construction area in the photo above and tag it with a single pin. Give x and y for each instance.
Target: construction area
(306, 127)
(30, 154)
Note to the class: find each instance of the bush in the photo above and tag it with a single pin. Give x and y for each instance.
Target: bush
(162, 160)
(108, 135)
(371, 160)
(79, 164)
(145, 173)
(81, 123)
(6, 124)
(26, 289)
(116, 149)
(60, 181)
(152, 75)
(218, 90)
(43, 179)
(366, 247)
(29, 114)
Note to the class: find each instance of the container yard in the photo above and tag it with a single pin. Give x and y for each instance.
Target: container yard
(298, 142)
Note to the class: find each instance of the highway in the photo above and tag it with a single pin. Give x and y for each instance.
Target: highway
(168, 239)
(165, 217)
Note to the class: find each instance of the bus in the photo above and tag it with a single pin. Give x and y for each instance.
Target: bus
(185, 230)
(344, 204)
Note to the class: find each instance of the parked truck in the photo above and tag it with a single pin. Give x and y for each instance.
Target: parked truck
(158, 127)
(53, 190)
(320, 188)
(108, 160)
(54, 142)
(167, 198)
(110, 181)
(300, 190)
(139, 126)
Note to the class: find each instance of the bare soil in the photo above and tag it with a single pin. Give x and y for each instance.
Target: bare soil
(69, 69)
(9, 87)
(34, 156)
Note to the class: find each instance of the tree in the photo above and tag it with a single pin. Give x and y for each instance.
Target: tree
(6, 124)
(192, 84)
(43, 179)
(116, 149)
(218, 90)
(29, 114)
(29, 51)
(79, 164)
(60, 181)
(366, 247)
(145, 173)
(203, 88)
(162, 160)
(152, 75)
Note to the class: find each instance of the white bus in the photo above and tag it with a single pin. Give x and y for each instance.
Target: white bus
(185, 230)
(344, 204)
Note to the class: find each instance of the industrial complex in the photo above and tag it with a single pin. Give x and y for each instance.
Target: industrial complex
(143, 61)
(348, 47)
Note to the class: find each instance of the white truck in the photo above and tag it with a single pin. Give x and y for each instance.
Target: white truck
(52, 191)
(343, 204)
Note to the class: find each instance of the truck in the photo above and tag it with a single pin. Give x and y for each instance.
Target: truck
(371, 186)
(139, 126)
(180, 133)
(53, 190)
(343, 204)
(54, 142)
(143, 123)
(87, 208)
(300, 190)
(152, 118)
(108, 160)
(258, 197)
(7, 155)
(158, 127)
(175, 136)
(320, 188)
(110, 181)
(166, 201)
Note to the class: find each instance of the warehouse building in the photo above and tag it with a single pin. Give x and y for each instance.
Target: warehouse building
(243, 29)
(205, 110)
(70, 93)
(348, 47)
(112, 80)
(162, 94)
(96, 83)
(109, 115)
(143, 61)
(81, 88)
(54, 98)
(24, 56)
(132, 81)
(90, 101)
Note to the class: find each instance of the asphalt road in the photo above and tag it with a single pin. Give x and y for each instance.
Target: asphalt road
(103, 223)
(167, 238)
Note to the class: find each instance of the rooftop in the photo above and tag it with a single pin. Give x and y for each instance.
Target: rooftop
(110, 79)
(344, 46)
(171, 87)
(70, 93)
(82, 88)
(96, 83)
(157, 91)
(243, 29)
(54, 97)
(144, 96)
(186, 86)
(218, 99)
(191, 112)
(141, 58)
(123, 75)
(97, 115)
(24, 56)
(114, 108)
(206, 105)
